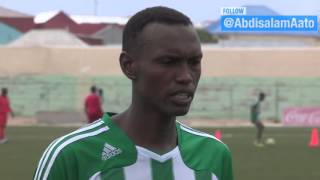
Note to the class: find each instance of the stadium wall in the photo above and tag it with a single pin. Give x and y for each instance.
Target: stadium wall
(217, 62)
(58, 79)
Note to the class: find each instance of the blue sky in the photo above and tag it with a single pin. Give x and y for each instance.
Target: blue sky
(198, 10)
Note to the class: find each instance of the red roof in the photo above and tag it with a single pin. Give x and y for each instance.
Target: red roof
(89, 29)
(22, 24)
(59, 21)
(63, 21)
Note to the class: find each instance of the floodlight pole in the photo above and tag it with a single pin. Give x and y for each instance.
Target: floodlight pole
(95, 7)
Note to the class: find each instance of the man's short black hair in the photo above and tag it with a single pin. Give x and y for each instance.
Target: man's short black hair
(262, 96)
(158, 14)
(93, 89)
(4, 91)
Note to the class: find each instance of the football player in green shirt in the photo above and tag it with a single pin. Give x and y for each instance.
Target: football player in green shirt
(161, 55)
(256, 119)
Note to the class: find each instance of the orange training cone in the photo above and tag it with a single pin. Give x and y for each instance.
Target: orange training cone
(314, 139)
(217, 134)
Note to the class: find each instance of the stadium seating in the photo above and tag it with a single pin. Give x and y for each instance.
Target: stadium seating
(216, 97)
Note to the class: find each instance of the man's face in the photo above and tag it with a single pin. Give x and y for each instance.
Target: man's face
(168, 67)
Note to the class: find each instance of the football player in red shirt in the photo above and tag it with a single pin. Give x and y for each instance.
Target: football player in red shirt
(5, 109)
(92, 105)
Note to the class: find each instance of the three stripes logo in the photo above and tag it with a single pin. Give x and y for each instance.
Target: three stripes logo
(110, 151)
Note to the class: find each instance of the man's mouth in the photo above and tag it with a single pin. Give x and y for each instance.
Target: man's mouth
(182, 98)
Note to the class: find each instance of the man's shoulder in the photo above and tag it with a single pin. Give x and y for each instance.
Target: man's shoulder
(71, 147)
(254, 104)
(201, 151)
(2, 98)
(93, 136)
(98, 137)
(85, 133)
(92, 96)
(195, 139)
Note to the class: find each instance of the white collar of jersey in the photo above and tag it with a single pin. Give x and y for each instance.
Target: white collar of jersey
(161, 158)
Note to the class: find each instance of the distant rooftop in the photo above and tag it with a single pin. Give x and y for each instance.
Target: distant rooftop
(23, 24)
(100, 19)
(45, 38)
(5, 12)
(45, 16)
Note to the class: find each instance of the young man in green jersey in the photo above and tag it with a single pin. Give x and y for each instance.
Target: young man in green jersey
(256, 119)
(161, 55)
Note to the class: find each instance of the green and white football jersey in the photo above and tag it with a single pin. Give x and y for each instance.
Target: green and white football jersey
(103, 151)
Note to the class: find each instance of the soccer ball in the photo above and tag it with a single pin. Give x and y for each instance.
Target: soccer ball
(270, 141)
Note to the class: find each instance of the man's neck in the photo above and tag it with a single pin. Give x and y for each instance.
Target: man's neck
(151, 130)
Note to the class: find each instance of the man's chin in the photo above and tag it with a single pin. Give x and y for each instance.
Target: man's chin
(181, 111)
(181, 114)
(174, 110)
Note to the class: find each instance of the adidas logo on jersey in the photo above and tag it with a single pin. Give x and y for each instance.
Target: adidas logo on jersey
(109, 151)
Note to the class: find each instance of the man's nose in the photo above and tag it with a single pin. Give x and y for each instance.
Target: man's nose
(184, 74)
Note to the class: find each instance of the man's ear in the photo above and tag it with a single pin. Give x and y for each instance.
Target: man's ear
(128, 65)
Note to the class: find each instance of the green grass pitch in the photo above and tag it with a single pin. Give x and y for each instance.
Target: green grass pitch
(290, 158)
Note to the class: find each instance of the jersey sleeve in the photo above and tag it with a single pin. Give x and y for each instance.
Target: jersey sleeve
(53, 165)
(227, 172)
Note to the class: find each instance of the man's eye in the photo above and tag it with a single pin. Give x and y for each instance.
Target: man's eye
(194, 61)
(167, 61)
